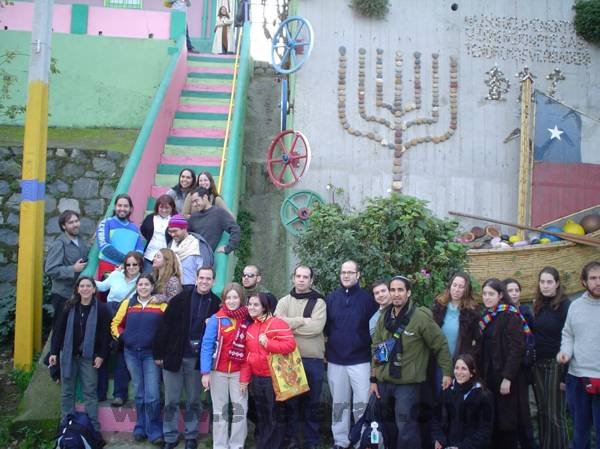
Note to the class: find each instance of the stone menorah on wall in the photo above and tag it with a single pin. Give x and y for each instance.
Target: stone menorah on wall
(399, 123)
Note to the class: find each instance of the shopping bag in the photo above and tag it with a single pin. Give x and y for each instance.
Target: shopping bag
(287, 373)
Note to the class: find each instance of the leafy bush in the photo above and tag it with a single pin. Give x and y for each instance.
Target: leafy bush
(371, 8)
(395, 235)
(587, 20)
(244, 249)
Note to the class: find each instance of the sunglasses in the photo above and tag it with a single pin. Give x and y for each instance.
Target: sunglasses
(248, 275)
(131, 264)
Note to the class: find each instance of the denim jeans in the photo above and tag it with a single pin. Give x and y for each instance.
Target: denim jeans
(145, 375)
(304, 409)
(400, 410)
(269, 422)
(585, 410)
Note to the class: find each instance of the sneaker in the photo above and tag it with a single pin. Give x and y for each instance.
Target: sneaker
(139, 437)
(117, 402)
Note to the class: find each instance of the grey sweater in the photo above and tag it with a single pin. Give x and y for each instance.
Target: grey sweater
(62, 254)
(580, 337)
(210, 224)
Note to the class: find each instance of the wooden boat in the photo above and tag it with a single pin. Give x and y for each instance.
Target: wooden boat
(524, 263)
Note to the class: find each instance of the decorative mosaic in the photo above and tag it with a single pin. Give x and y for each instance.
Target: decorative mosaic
(497, 84)
(525, 40)
(398, 123)
(554, 77)
(522, 76)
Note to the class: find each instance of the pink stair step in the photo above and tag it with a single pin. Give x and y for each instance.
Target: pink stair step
(198, 132)
(203, 108)
(122, 419)
(213, 55)
(211, 161)
(158, 191)
(193, 69)
(207, 88)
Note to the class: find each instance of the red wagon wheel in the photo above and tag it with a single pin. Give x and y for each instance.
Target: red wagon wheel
(288, 158)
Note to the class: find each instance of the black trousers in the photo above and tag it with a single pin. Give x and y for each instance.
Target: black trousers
(269, 414)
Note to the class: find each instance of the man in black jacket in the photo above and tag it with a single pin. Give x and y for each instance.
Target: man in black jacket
(176, 349)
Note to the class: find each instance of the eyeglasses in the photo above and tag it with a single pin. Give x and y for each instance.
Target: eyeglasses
(248, 275)
(347, 273)
(131, 265)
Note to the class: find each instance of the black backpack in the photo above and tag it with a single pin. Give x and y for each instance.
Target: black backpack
(76, 431)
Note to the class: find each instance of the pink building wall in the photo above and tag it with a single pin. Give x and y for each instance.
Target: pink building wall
(136, 23)
(19, 17)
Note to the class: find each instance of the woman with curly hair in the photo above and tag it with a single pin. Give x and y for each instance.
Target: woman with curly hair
(186, 183)
(205, 180)
(167, 272)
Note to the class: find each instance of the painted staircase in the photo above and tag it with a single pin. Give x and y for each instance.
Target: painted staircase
(195, 141)
(198, 131)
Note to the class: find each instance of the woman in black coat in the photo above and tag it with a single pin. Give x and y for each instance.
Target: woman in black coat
(154, 229)
(464, 416)
(502, 351)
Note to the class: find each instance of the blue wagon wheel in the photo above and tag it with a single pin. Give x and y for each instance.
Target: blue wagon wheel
(296, 209)
(283, 104)
(291, 45)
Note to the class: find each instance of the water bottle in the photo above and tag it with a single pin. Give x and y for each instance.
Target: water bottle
(374, 434)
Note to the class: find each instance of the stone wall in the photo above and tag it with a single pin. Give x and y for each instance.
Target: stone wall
(83, 181)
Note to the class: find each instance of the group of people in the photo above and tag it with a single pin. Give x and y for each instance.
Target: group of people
(455, 375)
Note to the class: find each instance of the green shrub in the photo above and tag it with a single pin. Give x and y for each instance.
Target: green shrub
(371, 8)
(244, 249)
(587, 20)
(395, 235)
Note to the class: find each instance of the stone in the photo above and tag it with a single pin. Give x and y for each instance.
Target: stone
(103, 165)
(57, 186)
(68, 204)
(107, 191)
(6, 289)
(61, 152)
(14, 201)
(49, 204)
(72, 170)
(85, 188)
(13, 220)
(2, 258)
(10, 168)
(8, 237)
(4, 187)
(50, 167)
(114, 155)
(8, 273)
(90, 174)
(94, 207)
(52, 226)
(5, 153)
(75, 153)
(88, 226)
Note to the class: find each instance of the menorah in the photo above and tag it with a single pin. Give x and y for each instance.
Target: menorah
(398, 123)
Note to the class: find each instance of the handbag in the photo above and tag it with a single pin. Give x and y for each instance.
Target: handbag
(591, 385)
(287, 374)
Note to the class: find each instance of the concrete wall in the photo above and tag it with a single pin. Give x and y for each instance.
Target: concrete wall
(472, 171)
(103, 81)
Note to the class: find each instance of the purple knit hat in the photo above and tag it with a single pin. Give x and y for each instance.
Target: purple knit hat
(178, 221)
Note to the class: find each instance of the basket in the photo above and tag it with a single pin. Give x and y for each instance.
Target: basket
(525, 263)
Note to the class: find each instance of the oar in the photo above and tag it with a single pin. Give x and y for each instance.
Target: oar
(583, 240)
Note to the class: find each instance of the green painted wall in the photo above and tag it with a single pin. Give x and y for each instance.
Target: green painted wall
(103, 81)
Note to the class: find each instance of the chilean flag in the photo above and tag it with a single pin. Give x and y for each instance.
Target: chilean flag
(566, 161)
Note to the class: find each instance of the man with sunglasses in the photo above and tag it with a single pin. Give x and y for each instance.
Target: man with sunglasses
(251, 281)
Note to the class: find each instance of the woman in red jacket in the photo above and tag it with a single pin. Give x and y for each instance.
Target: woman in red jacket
(266, 335)
(221, 358)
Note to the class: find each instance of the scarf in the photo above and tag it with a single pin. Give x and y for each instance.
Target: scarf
(488, 317)
(236, 352)
(396, 326)
(187, 247)
(66, 357)
(310, 295)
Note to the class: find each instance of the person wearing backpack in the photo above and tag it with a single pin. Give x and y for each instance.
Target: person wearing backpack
(405, 336)
(81, 338)
(502, 351)
(304, 310)
(550, 308)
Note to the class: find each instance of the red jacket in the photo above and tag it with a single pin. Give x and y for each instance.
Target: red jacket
(280, 341)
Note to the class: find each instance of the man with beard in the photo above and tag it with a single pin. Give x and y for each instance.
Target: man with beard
(348, 350)
(116, 236)
(580, 336)
(177, 350)
(66, 258)
(410, 335)
(304, 310)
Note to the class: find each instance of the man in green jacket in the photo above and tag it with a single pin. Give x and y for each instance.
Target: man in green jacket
(409, 335)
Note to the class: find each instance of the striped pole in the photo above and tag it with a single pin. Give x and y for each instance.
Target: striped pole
(28, 322)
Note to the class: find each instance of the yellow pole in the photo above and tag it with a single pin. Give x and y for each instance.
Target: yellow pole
(525, 155)
(28, 322)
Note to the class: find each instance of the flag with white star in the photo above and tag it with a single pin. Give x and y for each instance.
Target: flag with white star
(557, 131)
